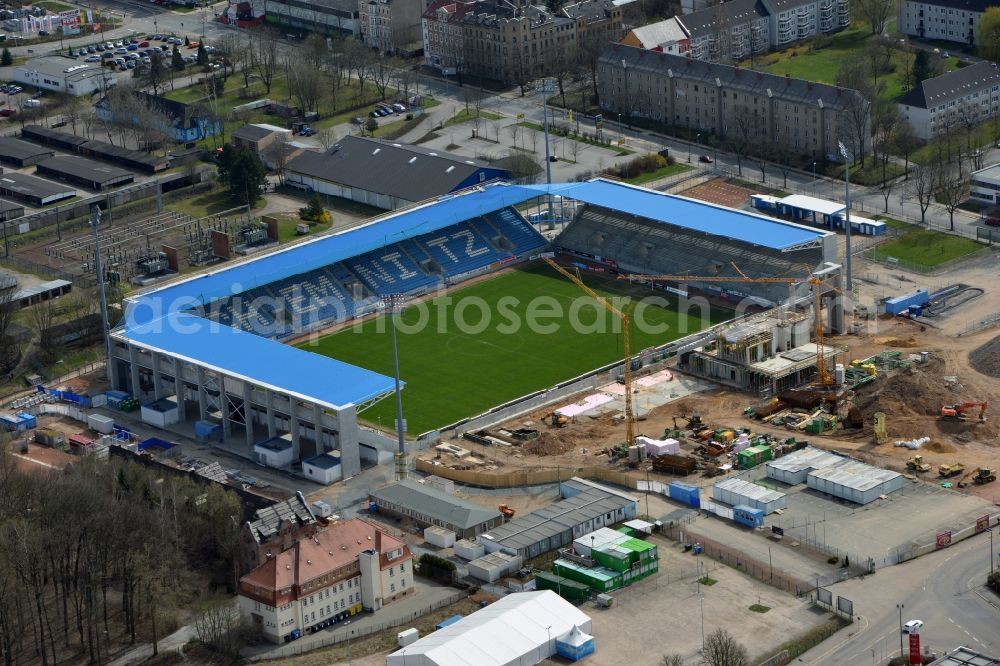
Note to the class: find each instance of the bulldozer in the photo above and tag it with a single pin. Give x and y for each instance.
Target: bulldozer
(954, 469)
(917, 464)
(957, 412)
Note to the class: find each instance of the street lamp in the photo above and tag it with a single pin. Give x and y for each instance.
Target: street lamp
(847, 221)
(814, 169)
(900, 608)
(991, 551)
(625, 70)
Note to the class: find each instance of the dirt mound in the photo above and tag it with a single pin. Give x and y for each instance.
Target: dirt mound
(986, 359)
(548, 444)
(901, 343)
(940, 447)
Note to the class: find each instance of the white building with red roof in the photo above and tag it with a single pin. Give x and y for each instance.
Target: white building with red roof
(349, 567)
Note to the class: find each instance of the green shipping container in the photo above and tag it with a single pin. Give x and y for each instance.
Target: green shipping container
(568, 589)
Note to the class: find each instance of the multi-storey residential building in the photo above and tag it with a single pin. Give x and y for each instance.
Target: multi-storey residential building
(791, 115)
(943, 103)
(323, 579)
(512, 40)
(950, 20)
(442, 34)
(390, 26)
(326, 17)
(732, 31)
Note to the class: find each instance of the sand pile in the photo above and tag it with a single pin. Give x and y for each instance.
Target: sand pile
(548, 444)
(986, 359)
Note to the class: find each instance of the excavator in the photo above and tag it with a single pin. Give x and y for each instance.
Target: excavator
(957, 412)
(507, 512)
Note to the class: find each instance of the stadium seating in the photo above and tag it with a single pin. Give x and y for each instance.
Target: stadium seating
(516, 229)
(390, 271)
(459, 249)
(345, 289)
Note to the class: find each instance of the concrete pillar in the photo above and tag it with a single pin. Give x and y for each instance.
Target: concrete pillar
(157, 391)
(293, 426)
(347, 436)
(114, 371)
(247, 416)
(179, 390)
(272, 429)
(134, 371)
(202, 395)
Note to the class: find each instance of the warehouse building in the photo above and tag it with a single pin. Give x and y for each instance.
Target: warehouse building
(854, 481)
(795, 467)
(386, 175)
(519, 629)
(33, 190)
(427, 505)
(585, 507)
(10, 210)
(84, 172)
(65, 75)
(737, 492)
(21, 153)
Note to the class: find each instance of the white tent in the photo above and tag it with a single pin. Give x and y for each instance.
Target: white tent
(519, 630)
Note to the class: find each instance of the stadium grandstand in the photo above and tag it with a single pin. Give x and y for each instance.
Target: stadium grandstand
(212, 344)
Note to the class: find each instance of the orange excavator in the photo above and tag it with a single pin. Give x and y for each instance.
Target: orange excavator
(958, 412)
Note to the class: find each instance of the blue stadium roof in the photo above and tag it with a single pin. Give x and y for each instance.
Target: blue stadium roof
(689, 214)
(232, 279)
(260, 360)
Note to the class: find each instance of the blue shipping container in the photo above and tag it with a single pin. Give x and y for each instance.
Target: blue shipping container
(894, 306)
(685, 493)
(749, 516)
(28, 420)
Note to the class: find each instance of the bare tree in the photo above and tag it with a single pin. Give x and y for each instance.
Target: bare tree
(216, 622)
(921, 186)
(382, 72)
(264, 55)
(327, 138)
(304, 84)
(876, 12)
(671, 660)
(741, 137)
(314, 51)
(514, 130)
(721, 649)
(952, 190)
(231, 47)
(905, 141)
(357, 59)
(276, 156)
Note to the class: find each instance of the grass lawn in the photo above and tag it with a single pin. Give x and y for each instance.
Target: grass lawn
(53, 5)
(210, 203)
(662, 172)
(821, 65)
(496, 356)
(622, 152)
(465, 115)
(288, 222)
(894, 224)
(870, 175)
(926, 248)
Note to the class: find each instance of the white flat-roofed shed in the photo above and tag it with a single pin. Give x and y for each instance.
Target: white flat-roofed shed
(855, 481)
(737, 492)
(794, 467)
(801, 207)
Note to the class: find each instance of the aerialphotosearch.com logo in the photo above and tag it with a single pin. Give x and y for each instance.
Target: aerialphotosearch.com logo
(299, 312)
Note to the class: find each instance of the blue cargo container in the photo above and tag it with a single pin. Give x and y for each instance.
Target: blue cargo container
(749, 516)
(685, 493)
(895, 306)
(28, 420)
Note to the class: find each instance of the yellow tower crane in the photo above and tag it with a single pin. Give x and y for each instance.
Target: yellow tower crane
(575, 279)
(825, 378)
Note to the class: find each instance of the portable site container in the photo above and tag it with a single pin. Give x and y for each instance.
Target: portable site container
(900, 304)
(80, 444)
(161, 413)
(28, 420)
(48, 437)
(570, 590)
(855, 481)
(753, 456)
(407, 637)
(685, 493)
(100, 423)
(439, 536)
(749, 516)
(11, 423)
(469, 550)
(596, 578)
(737, 492)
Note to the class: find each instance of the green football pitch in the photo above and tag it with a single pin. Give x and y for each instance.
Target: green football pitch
(474, 348)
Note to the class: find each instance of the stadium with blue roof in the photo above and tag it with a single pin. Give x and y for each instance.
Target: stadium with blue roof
(216, 343)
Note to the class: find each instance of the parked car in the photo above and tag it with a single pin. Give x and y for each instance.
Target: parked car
(43, 33)
(193, 45)
(32, 103)
(707, 159)
(399, 108)
(119, 44)
(121, 51)
(992, 221)
(358, 120)
(132, 47)
(14, 90)
(91, 49)
(306, 131)
(130, 64)
(913, 626)
(143, 44)
(92, 58)
(945, 54)
(133, 39)
(7, 113)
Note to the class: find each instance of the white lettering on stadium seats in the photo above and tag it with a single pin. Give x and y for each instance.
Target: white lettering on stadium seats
(470, 241)
(440, 244)
(404, 272)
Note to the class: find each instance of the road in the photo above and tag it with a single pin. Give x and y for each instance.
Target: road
(944, 589)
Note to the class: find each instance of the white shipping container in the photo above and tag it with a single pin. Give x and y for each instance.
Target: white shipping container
(100, 423)
(440, 537)
(469, 550)
(407, 637)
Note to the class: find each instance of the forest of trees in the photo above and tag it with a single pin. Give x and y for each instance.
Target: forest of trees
(104, 555)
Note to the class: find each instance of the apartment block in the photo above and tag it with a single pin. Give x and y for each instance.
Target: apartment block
(390, 26)
(326, 578)
(948, 20)
(940, 104)
(512, 41)
(798, 117)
